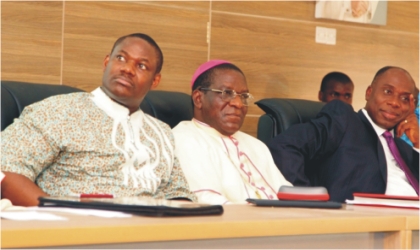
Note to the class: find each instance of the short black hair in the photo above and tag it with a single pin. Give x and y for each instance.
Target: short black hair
(385, 69)
(334, 76)
(206, 78)
(159, 62)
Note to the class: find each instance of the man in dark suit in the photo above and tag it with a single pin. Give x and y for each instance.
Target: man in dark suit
(346, 152)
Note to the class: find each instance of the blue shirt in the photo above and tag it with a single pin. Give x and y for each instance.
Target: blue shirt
(404, 136)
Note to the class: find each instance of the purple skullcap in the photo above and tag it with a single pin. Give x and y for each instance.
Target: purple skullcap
(206, 66)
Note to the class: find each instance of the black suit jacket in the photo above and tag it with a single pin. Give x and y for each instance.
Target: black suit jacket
(338, 150)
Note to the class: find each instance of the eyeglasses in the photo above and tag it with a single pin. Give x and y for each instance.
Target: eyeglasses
(230, 94)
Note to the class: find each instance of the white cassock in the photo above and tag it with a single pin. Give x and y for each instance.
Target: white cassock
(222, 169)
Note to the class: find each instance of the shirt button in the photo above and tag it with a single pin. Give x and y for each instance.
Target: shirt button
(242, 165)
(270, 196)
(249, 173)
(262, 188)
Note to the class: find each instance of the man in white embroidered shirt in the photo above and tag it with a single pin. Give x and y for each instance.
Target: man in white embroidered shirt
(223, 165)
(98, 142)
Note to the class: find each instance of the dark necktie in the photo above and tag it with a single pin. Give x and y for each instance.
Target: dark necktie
(394, 150)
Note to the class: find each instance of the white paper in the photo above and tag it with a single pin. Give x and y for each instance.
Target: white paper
(81, 211)
(29, 215)
(6, 204)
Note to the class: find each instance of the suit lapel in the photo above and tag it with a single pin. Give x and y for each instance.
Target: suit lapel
(375, 140)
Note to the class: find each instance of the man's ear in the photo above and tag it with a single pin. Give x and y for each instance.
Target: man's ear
(368, 93)
(197, 98)
(156, 81)
(106, 60)
(321, 96)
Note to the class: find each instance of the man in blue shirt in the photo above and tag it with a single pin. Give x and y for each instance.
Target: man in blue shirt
(414, 116)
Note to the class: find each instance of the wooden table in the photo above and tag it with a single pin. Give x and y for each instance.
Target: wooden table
(400, 239)
(241, 226)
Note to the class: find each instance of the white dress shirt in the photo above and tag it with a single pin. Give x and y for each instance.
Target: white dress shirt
(397, 183)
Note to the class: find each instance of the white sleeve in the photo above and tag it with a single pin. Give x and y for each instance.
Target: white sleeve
(200, 169)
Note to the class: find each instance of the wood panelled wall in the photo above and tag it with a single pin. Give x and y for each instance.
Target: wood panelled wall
(273, 42)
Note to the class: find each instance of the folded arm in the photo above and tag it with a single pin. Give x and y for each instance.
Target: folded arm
(301, 144)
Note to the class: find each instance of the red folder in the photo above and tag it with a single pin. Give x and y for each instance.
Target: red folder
(385, 196)
(401, 201)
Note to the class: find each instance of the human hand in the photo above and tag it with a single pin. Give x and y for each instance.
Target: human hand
(410, 126)
(358, 8)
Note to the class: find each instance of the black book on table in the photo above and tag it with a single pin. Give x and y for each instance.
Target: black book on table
(135, 205)
(295, 203)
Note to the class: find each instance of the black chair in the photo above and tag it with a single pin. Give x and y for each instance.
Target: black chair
(169, 107)
(282, 113)
(15, 96)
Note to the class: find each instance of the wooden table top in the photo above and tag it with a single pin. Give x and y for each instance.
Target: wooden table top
(237, 221)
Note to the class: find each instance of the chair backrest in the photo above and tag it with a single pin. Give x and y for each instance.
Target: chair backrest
(167, 106)
(15, 96)
(282, 113)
